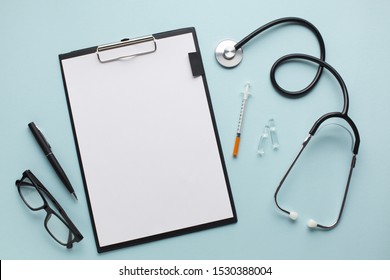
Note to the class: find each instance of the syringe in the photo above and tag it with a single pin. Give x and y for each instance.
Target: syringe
(240, 120)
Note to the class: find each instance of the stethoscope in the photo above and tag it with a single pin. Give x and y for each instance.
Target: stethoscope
(229, 54)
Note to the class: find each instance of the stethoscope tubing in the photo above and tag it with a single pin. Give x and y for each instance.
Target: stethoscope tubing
(315, 60)
(343, 114)
(316, 32)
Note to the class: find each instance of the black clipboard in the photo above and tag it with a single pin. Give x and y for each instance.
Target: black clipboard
(146, 139)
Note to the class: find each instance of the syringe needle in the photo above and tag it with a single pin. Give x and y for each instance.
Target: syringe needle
(240, 120)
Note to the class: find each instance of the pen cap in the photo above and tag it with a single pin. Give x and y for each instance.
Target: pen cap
(40, 138)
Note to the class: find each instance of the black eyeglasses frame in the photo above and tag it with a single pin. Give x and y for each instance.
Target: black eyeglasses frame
(74, 233)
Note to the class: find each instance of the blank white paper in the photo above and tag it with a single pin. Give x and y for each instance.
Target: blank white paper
(147, 142)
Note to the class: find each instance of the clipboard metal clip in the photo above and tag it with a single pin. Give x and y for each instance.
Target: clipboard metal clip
(126, 48)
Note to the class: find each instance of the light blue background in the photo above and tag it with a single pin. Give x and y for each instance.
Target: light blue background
(357, 40)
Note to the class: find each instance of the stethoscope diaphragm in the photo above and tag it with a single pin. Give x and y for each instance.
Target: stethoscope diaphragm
(227, 55)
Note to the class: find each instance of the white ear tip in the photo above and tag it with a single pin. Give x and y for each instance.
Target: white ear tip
(311, 223)
(293, 215)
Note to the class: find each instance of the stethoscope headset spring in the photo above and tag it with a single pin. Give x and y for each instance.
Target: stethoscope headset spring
(229, 54)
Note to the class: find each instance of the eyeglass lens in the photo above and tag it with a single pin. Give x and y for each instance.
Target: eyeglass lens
(58, 229)
(30, 194)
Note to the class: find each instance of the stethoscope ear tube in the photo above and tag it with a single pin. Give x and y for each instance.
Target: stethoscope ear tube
(292, 214)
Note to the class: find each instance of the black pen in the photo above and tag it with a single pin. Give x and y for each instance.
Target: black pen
(50, 156)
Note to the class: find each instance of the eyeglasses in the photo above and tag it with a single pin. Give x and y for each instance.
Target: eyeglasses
(58, 225)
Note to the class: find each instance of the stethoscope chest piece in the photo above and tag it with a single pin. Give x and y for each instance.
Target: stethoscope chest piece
(227, 55)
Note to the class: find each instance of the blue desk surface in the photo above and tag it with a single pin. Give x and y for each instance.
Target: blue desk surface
(357, 40)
